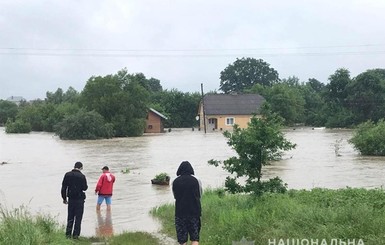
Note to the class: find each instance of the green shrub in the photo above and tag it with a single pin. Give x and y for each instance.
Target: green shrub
(84, 125)
(7, 110)
(162, 177)
(369, 137)
(17, 126)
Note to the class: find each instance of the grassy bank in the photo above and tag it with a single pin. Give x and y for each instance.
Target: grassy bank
(20, 227)
(299, 214)
(344, 214)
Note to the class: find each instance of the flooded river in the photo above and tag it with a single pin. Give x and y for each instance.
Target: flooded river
(37, 162)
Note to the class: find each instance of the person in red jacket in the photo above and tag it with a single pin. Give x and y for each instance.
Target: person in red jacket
(104, 188)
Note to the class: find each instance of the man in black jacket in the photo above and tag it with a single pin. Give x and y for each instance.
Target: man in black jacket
(187, 191)
(73, 186)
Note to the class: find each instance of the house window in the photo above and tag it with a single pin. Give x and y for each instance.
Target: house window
(149, 127)
(211, 120)
(229, 120)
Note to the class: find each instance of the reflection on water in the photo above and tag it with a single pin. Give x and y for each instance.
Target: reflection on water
(37, 163)
(104, 226)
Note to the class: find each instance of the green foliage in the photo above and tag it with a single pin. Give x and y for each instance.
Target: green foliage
(313, 103)
(337, 116)
(33, 114)
(366, 96)
(258, 144)
(287, 101)
(18, 126)
(8, 110)
(162, 177)
(336, 90)
(20, 227)
(246, 72)
(121, 99)
(70, 96)
(313, 214)
(369, 137)
(180, 108)
(84, 125)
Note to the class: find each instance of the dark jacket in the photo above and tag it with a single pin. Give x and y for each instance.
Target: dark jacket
(73, 186)
(187, 192)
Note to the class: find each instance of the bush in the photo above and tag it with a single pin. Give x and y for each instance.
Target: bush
(84, 125)
(162, 177)
(17, 126)
(257, 145)
(7, 110)
(369, 137)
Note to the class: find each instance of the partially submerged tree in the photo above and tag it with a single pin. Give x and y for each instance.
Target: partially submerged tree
(369, 137)
(257, 145)
(84, 125)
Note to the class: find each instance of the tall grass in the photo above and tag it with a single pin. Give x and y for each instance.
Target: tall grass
(299, 214)
(19, 227)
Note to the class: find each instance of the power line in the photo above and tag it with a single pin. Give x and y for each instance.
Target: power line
(186, 55)
(193, 50)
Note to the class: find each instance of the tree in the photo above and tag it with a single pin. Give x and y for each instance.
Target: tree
(55, 98)
(246, 72)
(366, 96)
(31, 113)
(84, 125)
(336, 89)
(257, 145)
(336, 111)
(17, 126)
(8, 110)
(287, 100)
(312, 94)
(154, 85)
(369, 137)
(180, 108)
(121, 99)
(316, 85)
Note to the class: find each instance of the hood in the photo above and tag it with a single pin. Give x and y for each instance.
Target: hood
(185, 168)
(109, 177)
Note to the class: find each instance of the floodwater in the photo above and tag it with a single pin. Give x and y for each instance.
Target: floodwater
(36, 163)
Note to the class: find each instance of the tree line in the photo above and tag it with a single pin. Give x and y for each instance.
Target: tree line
(110, 106)
(116, 105)
(343, 101)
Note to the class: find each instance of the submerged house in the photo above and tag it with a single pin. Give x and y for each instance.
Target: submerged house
(222, 111)
(154, 122)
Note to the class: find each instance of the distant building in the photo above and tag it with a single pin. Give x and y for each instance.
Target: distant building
(154, 122)
(16, 99)
(222, 111)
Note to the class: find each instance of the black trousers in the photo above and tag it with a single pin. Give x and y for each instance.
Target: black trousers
(75, 216)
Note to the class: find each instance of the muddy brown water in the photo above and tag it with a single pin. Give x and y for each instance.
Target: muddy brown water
(36, 163)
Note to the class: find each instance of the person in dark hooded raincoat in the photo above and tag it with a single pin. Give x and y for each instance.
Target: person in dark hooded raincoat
(187, 190)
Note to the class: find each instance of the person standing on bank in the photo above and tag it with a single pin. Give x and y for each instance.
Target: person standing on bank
(187, 190)
(104, 188)
(72, 191)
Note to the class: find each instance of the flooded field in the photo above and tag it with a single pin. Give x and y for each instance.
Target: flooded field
(37, 162)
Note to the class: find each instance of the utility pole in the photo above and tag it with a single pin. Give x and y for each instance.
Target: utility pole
(203, 108)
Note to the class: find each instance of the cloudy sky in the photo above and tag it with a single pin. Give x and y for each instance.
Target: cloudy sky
(46, 45)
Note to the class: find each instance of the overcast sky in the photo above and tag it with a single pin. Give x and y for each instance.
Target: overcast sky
(46, 45)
